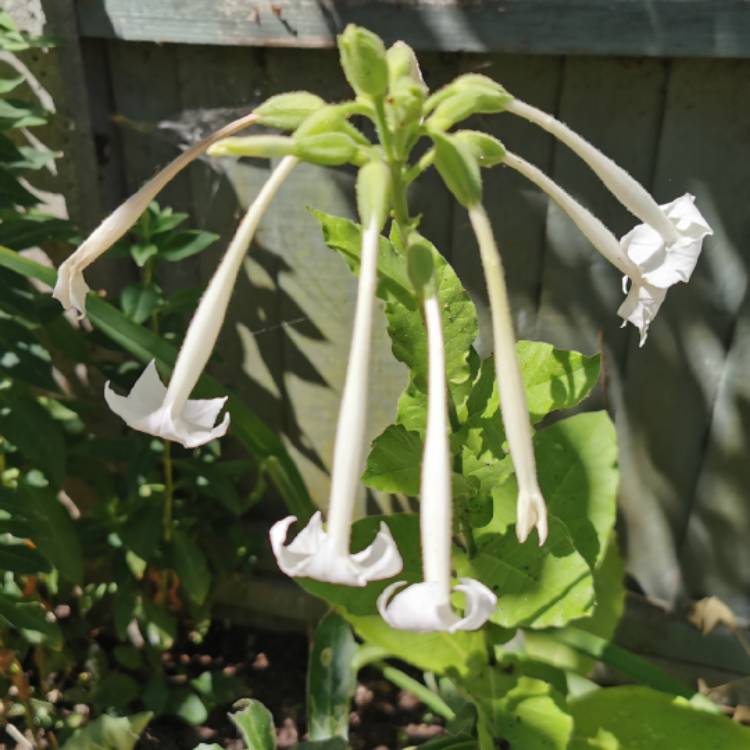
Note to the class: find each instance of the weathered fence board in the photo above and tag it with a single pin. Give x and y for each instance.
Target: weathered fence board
(714, 28)
(680, 402)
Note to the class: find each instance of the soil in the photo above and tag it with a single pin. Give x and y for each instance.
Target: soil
(273, 666)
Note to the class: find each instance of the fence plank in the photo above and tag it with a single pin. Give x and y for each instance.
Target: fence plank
(714, 28)
(671, 386)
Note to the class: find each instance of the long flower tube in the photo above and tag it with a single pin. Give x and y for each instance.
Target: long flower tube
(168, 412)
(71, 287)
(531, 510)
(622, 185)
(426, 606)
(315, 552)
(649, 266)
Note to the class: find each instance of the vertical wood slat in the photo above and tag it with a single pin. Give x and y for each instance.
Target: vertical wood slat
(670, 389)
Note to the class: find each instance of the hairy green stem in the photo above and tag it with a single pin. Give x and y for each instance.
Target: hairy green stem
(402, 680)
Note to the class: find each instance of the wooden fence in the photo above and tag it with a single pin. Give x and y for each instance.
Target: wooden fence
(661, 86)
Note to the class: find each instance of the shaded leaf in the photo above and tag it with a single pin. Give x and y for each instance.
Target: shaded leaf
(30, 620)
(394, 461)
(191, 566)
(109, 733)
(183, 245)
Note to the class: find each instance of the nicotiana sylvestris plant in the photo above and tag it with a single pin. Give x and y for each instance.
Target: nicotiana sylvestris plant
(463, 441)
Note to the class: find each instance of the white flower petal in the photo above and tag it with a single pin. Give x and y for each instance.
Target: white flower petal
(71, 288)
(640, 307)
(421, 607)
(145, 409)
(313, 554)
(531, 514)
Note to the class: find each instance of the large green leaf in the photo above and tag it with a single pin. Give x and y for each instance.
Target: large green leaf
(639, 718)
(109, 733)
(405, 324)
(331, 679)
(441, 652)
(519, 711)
(537, 587)
(577, 469)
(145, 345)
(394, 461)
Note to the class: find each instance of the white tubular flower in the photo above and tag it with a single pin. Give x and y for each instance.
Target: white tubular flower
(71, 288)
(426, 606)
(322, 555)
(661, 264)
(167, 412)
(531, 510)
(642, 255)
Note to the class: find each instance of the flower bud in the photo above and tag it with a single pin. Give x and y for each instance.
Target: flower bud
(260, 146)
(403, 65)
(487, 150)
(468, 95)
(374, 193)
(330, 119)
(288, 111)
(459, 168)
(327, 149)
(420, 265)
(363, 60)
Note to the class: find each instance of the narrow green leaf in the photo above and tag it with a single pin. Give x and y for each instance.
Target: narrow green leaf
(191, 566)
(30, 620)
(186, 244)
(22, 560)
(139, 301)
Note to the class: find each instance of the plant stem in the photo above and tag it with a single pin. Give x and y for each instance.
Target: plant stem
(168, 490)
(395, 164)
(402, 680)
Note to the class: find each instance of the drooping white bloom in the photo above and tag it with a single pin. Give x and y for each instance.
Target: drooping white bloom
(426, 606)
(531, 511)
(71, 288)
(325, 555)
(650, 264)
(168, 412)
(660, 263)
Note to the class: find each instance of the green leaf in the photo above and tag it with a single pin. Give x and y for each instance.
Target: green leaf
(185, 244)
(143, 528)
(30, 619)
(537, 587)
(139, 301)
(519, 711)
(141, 252)
(405, 325)
(29, 427)
(394, 461)
(23, 358)
(8, 84)
(22, 560)
(331, 679)
(12, 192)
(184, 703)
(642, 718)
(109, 733)
(462, 652)
(255, 723)
(18, 114)
(191, 566)
(115, 691)
(52, 529)
(27, 230)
